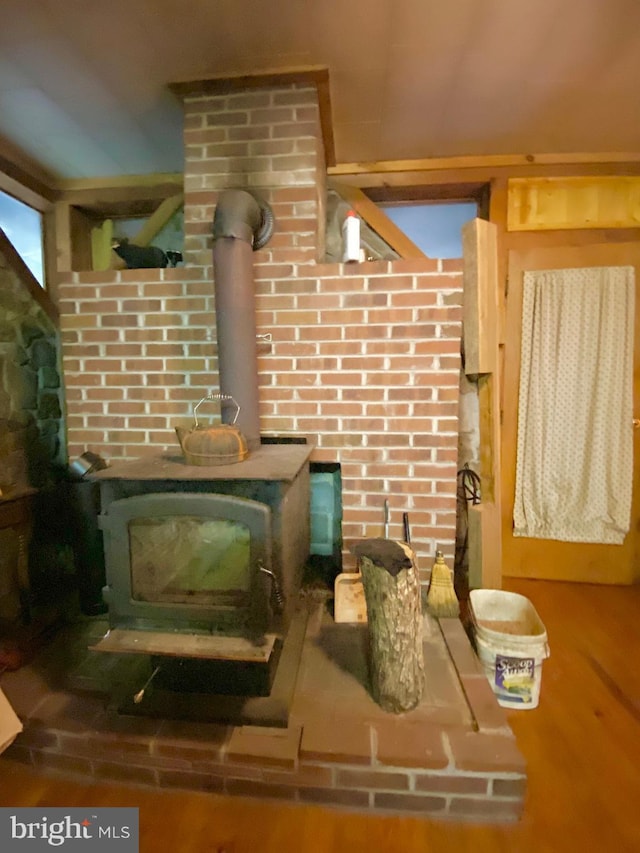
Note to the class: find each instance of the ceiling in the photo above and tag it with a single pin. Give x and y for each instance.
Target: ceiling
(84, 84)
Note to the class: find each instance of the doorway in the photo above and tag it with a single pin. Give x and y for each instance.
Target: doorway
(546, 558)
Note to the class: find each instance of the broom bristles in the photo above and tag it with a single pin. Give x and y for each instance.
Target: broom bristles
(441, 597)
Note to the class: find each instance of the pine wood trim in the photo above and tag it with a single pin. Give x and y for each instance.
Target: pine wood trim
(25, 179)
(312, 75)
(101, 240)
(84, 186)
(552, 203)
(485, 553)
(482, 332)
(378, 220)
(62, 228)
(437, 177)
(19, 191)
(481, 305)
(50, 253)
(481, 161)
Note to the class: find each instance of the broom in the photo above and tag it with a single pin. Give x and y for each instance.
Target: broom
(442, 601)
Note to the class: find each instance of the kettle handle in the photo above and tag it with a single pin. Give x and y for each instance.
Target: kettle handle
(225, 398)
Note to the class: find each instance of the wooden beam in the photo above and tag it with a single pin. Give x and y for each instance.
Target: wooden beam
(219, 84)
(158, 220)
(326, 120)
(129, 196)
(62, 214)
(69, 186)
(101, 251)
(479, 174)
(481, 303)
(484, 161)
(26, 278)
(27, 196)
(379, 221)
(489, 423)
(49, 253)
(470, 191)
(25, 179)
(80, 234)
(485, 535)
(482, 332)
(311, 75)
(485, 552)
(73, 238)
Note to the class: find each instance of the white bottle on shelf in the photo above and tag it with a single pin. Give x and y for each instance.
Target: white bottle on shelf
(351, 238)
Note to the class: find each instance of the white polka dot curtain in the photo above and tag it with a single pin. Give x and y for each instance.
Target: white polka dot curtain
(574, 469)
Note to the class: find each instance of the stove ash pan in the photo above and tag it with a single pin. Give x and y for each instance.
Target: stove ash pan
(190, 563)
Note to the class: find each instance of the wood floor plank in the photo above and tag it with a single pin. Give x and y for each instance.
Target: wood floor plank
(582, 746)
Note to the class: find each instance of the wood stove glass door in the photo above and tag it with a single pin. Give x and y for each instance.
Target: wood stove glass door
(189, 560)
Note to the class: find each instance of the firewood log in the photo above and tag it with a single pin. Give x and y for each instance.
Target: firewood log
(394, 612)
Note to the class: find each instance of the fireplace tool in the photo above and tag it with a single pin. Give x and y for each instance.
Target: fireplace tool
(140, 694)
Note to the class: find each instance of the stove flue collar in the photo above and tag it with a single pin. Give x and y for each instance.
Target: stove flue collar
(242, 215)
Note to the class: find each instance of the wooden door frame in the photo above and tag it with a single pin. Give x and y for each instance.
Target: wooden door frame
(549, 257)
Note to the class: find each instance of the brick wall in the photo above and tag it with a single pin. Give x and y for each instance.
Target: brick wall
(364, 359)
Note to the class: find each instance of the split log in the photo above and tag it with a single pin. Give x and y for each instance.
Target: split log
(394, 613)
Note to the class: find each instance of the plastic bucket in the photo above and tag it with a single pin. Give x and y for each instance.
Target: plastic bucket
(511, 642)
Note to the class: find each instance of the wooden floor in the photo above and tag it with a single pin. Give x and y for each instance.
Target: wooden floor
(582, 745)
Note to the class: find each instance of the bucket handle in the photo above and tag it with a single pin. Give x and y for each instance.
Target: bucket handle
(224, 398)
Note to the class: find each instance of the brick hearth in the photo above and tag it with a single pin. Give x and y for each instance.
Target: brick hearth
(452, 757)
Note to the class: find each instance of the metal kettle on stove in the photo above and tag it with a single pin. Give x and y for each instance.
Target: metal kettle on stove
(214, 444)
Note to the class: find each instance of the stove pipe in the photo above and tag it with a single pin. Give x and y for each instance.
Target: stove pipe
(242, 223)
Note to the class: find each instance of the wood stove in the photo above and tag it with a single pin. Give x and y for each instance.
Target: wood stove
(204, 565)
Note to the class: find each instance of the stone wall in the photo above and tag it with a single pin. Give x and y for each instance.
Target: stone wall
(31, 436)
(31, 418)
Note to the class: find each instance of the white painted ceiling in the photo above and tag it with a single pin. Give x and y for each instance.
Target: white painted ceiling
(83, 84)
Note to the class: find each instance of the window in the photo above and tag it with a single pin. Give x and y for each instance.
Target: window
(23, 227)
(435, 227)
